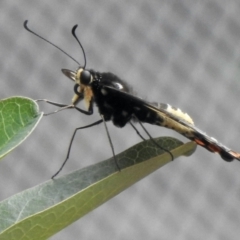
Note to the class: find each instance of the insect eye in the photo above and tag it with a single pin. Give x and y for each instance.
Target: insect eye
(86, 77)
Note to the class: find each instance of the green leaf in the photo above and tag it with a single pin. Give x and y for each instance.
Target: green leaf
(18, 117)
(42, 211)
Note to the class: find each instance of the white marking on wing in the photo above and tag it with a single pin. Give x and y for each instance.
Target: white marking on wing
(175, 111)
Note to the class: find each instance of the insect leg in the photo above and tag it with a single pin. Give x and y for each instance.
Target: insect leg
(90, 109)
(155, 141)
(110, 141)
(63, 107)
(70, 145)
(52, 103)
(138, 133)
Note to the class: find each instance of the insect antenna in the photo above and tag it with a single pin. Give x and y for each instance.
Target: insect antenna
(44, 39)
(81, 46)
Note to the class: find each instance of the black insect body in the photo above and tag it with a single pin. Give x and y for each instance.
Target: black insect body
(112, 97)
(116, 102)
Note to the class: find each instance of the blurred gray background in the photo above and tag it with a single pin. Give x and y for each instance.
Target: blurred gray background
(182, 52)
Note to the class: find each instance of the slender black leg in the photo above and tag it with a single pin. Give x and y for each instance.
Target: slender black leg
(52, 103)
(145, 130)
(64, 106)
(111, 144)
(138, 133)
(70, 145)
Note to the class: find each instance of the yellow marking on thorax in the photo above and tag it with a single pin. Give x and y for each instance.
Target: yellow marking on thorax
(88, 95)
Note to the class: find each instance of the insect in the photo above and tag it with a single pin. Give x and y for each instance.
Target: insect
(116, 102)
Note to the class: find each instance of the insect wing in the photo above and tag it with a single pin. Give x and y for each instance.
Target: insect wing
(213, 145)
(146, 112)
